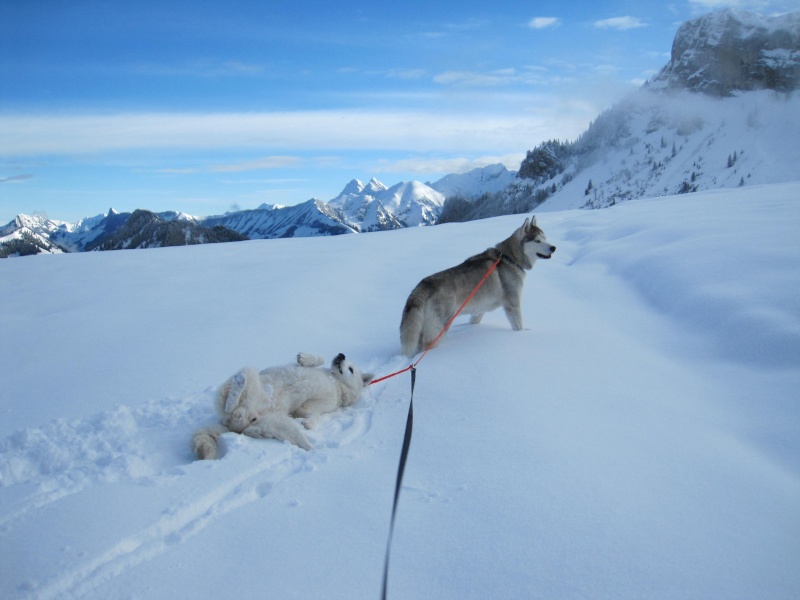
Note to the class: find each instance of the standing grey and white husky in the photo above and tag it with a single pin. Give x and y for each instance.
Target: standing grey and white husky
(436, 298)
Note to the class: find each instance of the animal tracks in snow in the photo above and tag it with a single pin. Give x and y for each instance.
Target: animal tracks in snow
(145, 448)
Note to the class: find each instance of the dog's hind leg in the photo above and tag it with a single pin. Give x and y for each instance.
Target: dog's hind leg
(204, 442)
(475, 319)
(280, 427)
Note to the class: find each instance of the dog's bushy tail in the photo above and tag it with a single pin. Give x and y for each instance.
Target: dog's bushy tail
(204, 442)
(412, 323)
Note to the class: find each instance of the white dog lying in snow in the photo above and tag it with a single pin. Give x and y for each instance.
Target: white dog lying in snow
(263, 404)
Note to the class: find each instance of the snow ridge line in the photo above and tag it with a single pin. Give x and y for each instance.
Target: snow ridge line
(176, 526)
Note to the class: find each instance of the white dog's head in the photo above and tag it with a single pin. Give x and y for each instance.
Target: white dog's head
(535, 242)
(240, 419)
(348, 374)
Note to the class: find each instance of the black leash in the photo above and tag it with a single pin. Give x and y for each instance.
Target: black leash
(410, 419)
(401, 467)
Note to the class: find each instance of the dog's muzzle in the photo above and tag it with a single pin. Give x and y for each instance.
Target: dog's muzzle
(552, 249)
(337, 362)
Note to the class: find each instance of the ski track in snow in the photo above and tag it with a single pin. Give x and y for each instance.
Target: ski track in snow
(118, 445)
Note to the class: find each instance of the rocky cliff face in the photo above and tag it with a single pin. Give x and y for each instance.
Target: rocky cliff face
(732, 50)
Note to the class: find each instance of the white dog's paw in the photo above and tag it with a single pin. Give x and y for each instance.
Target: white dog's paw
(235, 391)
(305, 359)
(310, 422)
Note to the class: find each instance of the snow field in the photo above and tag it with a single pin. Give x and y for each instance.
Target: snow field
(637, 439)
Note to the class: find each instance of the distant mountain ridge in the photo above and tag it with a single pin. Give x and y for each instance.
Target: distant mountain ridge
(144, 229)
(721, 113)
(358, 208)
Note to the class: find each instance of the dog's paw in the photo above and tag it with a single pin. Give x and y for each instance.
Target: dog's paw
(302, 442)
(237, 383)
(305, 359)
(310, 422)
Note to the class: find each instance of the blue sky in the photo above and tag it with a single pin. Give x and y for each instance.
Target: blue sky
(204, 106)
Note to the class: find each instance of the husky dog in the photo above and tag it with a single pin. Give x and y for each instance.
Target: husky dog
(265, 404)
(436, 298)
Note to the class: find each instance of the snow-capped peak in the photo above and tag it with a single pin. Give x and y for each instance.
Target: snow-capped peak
(374, 186)
(354, 187)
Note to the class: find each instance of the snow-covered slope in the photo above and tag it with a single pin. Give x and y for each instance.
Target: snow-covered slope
(489, 179)
(28, 235)
(679, 143)
(637, 440)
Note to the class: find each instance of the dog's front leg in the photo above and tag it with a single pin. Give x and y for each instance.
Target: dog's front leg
(305, 359)
(514, 315)
(279, 427)
(235, 388)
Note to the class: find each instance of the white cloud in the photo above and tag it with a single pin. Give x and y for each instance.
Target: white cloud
(468, 78)
(16, 178)
(457, 164)
(406, 73)
(544, 22)
(259, 164)
(605, 70)
(621, 23)
(509, 76)
(201, 68)
(179, 170)
(75, 135)
(482, 122)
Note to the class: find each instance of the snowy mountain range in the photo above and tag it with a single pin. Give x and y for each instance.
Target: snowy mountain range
(358, 208)
(721, 113)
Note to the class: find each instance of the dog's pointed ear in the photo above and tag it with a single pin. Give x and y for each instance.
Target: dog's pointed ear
(520, 233)
(533, 221)
(367, 378)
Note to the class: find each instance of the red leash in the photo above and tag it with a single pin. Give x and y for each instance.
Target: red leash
(447, 325)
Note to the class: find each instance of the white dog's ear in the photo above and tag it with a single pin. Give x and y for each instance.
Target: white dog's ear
(367, 377)
(533, 221)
